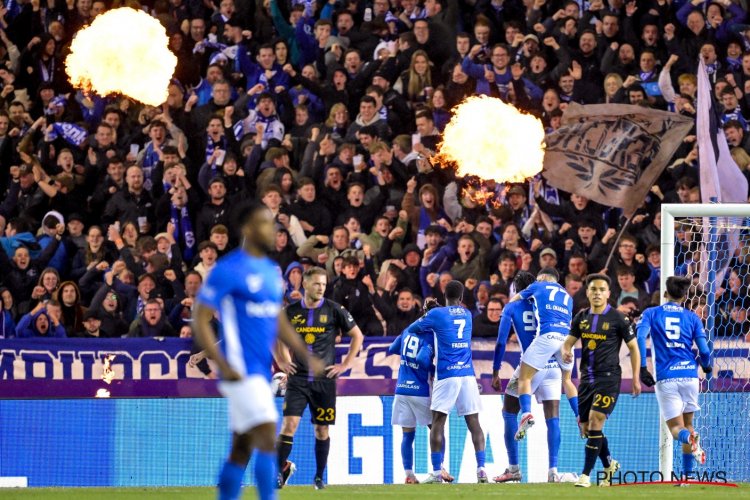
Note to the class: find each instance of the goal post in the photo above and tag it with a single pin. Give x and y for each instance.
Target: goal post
(710, 235)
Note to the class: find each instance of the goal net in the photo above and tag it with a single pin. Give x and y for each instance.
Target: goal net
(711, 245)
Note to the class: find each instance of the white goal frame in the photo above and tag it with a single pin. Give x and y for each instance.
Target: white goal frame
(668, 213)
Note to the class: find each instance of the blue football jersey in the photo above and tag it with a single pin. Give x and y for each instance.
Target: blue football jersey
(673, 330)
(247, 292)
(553, 307)
(413, 378)
(518, 315)
(451, 328)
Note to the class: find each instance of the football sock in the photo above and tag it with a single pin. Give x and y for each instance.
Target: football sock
(593, 446)
(284, 449)
(604, 453)
(553, 440)
(407, 450)
(684, 436)
(687, 464)
(525, 400)
(321, 456)
(480, 459)
(574, 405)
(511, 445)
(437, 461)
(230, 481)
(265, 474)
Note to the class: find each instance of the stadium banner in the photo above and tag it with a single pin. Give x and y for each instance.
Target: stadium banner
(182, 442)
(153, 367)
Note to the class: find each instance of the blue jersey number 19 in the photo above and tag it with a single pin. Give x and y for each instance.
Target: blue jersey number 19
(410, 347)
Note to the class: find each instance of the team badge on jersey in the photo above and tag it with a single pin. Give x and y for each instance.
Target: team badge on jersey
(309, 338)
(254, 283)
(605, 326)
(592, 344)
(323, 318)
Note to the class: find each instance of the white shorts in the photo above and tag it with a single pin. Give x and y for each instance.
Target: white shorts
(677, 396)
(411, 411)
(251, 403)
(543, 348)
(461, 393)
(546, 384)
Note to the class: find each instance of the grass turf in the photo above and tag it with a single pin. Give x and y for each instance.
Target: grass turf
(444, 491)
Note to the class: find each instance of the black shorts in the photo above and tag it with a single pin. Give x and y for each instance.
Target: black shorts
(601, 396)
(319, 394)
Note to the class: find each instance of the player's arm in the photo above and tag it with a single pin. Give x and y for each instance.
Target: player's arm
(425, 356)
(353, 331)
(572, 338)
(289, 336)
(283, 358)
(703, 349)
(502, 340)
(643, 331)
(205, 336)
(395, 347)
(635, 363)
(525, 293)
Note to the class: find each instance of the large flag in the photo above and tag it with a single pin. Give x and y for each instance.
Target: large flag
(721, 182)
(612, 153)
(721, 178)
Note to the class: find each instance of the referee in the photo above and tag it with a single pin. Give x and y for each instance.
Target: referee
(318, 321)
(601, 329)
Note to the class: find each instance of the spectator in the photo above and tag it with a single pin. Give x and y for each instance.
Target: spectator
(485, 324)
(40, 322)
(69, 298)
(90, 326)
(7, 325)
(151, 322)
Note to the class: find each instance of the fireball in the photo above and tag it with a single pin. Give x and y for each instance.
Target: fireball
(490, 139)
(123, 51)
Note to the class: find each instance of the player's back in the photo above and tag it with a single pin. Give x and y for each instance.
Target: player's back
(520, 315)
(413, 379)
(673, 330)
(247, 292)
(451, 326)
(553, 306)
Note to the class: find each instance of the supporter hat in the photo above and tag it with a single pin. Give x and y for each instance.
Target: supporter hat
(548, 251)
(57, 215)
(233, 21)
(411, 247)
(76, 216)
(531, 37)
(306, 261)
(516, 190)
(216, 179)
(91, 314)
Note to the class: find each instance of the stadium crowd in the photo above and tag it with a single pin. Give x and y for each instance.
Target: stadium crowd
(113, 213)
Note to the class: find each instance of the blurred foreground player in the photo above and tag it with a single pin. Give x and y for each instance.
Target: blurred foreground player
(245, 289)
(318, 321)
(545, 384)
(455, 382)
(601, 330)
(673, 330)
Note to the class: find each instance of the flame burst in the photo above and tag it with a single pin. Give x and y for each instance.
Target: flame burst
(123, 51)
(490, 139)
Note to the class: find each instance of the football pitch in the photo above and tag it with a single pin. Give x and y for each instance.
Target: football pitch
(445, 491)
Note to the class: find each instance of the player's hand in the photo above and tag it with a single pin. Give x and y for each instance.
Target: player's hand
(333, 371)
(567, 356)
(646, 378)
(288, 367)
(707, 369)
(496, 382)
(636, 387)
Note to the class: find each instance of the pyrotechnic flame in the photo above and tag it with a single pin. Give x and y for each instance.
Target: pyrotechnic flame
(102, 393)
(108, 374)
(123, 51)
(493, 140)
